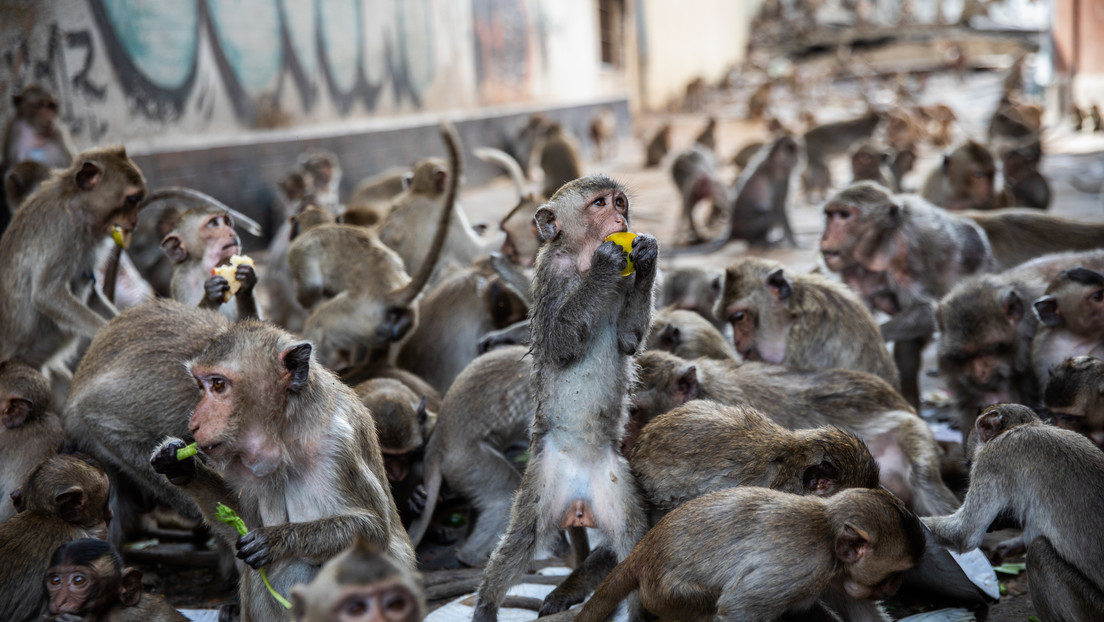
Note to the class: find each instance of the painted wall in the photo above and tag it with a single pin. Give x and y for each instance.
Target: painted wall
(157, 75)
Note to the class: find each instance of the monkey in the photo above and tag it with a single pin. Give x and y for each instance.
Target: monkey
(559, 158)
(1073, 397)
(1078, 117)
(759, 101)
(86, 580)
(403, 425)
(1022, 180)
(325, 177)
(603, 132)
(521, 241)
(688, 335)
(824, 141)
(203, 238)
(475, 428)
(708, 136)
(585, 317)
(802, 321)
(292, 450)
(943, 118)
(63, 499)
(1017, 235)
(868, 163)
(746, 153)
(739, 446)
(658, 146)
(1098, 125)
(361, 583)
(695, 95)
(20, 182)
(284, 308)
(31, 429)
(902, 130)
(1013, 121)
(986, 331)
(964, 180)
(359, 295)
(50, 251)
(899, 440)
(695, 174)
(456, 313)
(382, 187)
(857, 542)
(35, 133)
(1071, 320)
(692, 288)
(760, 203)
(404, 227)
(525, 140)
(1065, 580)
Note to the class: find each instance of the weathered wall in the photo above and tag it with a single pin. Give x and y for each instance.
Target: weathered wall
(1079, 49)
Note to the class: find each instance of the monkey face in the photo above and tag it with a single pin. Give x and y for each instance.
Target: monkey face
(840, 228)
(979, 183)
(218, 239)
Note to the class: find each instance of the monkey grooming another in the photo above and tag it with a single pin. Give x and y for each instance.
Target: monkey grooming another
(587, 323)
(63, 499)
(759, 554)
(361, 584)
(49, 253)
(31, 430)
(1074, 397)
(86, 580)
(1071, 320)
(292, 450)
(1060, 513)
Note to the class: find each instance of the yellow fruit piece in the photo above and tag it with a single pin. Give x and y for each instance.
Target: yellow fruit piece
(121, 237)
(625, 241)
(229, 272)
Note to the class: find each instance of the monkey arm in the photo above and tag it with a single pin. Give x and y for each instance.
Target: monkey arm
(636, 307)
(200, 482)
(54, 299)
(914, 322)
(565, 328)
(516, 333)
(315, 541)
(247, 304)
(964, 530)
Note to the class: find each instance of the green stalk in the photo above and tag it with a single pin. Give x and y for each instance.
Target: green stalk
(187, 451)
(230, 517)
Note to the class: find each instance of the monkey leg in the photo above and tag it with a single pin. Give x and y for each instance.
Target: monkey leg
(907, 355)
(528, 519)
(1058, 590)
(582, 581)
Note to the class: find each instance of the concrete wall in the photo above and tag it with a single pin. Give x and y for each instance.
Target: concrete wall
(684, 39)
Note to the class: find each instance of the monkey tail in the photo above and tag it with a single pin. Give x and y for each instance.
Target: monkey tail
(507, 162)
(407, 294)
(619, 584)
(432, 481)
(178, 192)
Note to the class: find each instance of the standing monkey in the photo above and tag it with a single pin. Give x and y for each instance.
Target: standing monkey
(588, 322)
(1058, 499)
(50, 251)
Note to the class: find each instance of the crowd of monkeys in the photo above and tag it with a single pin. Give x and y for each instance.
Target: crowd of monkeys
(742, 443)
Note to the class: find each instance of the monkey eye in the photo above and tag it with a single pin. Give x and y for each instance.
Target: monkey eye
(600, 202)
(133, 199)
(355, 607)
(619, 201)
(53, 579)
(78, 579)
(396, 602)
(979, 174)
(737, 316)
(1097, 296)
(217, 384)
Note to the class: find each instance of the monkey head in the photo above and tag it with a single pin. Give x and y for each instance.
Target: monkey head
(430, 177)
(295, 185)
(110, 185)
(36, 106)
(24, 393)
(1075, 300)
(522, 239)
(205, 234)
(782, 157)
(21, 180)
(836, 460)
(866, 161)
(753, 301)
(577, 219)
(994, 419)
(72, 487)
(251, 380)
(1074, 397)
(86, 578)
(862, 224)
(664, 382)
(309, 216)
(361, 584)
(321, 165)
(975, 350)
(877, 539)
(970, 170)
(403, 423)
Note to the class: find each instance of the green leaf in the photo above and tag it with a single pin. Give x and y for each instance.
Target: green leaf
(1012, 569)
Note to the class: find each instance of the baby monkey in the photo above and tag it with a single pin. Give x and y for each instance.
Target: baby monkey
(757, 554)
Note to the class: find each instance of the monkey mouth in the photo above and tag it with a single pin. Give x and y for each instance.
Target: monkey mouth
(213, 447)
(833, 259)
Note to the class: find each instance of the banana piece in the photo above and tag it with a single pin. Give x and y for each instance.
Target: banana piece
(229, 272)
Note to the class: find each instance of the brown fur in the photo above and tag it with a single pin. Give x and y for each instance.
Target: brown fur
(30, 430)
(1074, 397)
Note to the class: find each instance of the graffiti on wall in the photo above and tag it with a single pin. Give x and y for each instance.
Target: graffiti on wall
(502, 53)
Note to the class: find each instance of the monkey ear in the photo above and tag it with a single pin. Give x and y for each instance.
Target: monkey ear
(17, 499)
(297, 362)
(15, 411)
(1046, 309)
(71, 504)
(686, 385)
(820, 478)
(130, 591)
(779, 286)
(987, 426)
(174, 248)
(88, 177)
(545, 219)
(852, 544)
(1013, 307)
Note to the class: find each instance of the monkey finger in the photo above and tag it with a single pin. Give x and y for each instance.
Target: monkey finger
(164, 461)
(418, 499)
(253, 549)
(611, 255)
(247, 275)
(216, 288)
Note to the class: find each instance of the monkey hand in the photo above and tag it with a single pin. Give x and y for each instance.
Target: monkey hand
(645, 252)
(247, 276)
(418, 498)
(610, 258)
(255, 549)
(216, 290)
(163, 460)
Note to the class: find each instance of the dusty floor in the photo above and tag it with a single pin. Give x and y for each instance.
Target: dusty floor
(655, 210)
